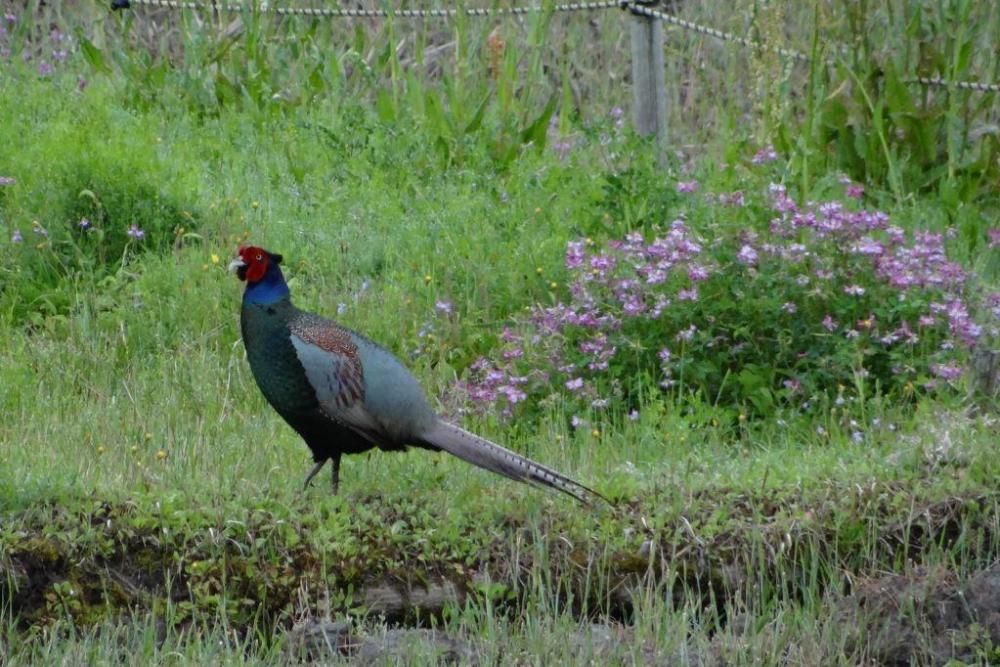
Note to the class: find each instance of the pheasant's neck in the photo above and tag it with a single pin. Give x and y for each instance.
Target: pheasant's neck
(269, 289)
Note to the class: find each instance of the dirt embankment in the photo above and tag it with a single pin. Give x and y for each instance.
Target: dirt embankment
(89, 567)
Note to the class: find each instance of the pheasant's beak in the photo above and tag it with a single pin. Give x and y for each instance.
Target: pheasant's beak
(240, 267)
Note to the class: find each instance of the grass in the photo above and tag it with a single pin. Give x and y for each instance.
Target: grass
(150, 501)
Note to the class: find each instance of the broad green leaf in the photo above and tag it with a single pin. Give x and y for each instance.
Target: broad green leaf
(537, 131)
(477, 119)
(92, 54)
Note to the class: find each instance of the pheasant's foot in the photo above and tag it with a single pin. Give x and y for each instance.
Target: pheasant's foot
(312, 473)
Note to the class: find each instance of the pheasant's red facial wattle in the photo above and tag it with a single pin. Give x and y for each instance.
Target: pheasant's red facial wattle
(253, 262)
(256, 261)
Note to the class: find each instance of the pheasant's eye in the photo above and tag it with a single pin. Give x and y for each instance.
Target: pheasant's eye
(260, 258)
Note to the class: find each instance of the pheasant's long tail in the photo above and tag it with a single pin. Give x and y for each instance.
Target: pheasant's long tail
(491, 456)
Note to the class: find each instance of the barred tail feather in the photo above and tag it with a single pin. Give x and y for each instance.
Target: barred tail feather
(490, 456)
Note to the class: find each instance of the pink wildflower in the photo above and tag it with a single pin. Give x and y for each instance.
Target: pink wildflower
(765, 155)
(747, 255)
(946, 371)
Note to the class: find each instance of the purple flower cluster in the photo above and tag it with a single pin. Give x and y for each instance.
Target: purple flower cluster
(747, 255)
(911, 266)
(852, 189)
(946, 372)
(625, 280)
(838, 275)
(765, 155)
(494, 383)
(734, 199)
(48, 53)
(133, 232)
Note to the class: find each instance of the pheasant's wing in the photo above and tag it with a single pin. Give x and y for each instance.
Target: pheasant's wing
(330, 359)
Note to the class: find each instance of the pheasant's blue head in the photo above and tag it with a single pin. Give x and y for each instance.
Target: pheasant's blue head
(259, 269)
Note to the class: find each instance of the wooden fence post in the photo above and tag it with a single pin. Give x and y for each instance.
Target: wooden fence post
(648, 85)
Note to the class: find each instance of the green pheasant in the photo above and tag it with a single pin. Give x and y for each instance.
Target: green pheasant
(345, 394)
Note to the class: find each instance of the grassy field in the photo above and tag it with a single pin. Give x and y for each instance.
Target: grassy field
(822, 509)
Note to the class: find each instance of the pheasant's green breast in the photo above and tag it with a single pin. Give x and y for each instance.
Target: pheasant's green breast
(275, 366)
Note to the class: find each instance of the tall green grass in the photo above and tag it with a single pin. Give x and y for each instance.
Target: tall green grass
(852, 109)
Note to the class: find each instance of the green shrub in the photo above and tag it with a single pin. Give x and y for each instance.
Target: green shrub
(98, 217)
(756, 303)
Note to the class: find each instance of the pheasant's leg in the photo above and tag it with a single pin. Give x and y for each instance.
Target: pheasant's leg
(312, 473)
(335, 476)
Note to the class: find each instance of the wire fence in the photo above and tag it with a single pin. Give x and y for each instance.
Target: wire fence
(633, 6)
(346, 12)
(721, 35)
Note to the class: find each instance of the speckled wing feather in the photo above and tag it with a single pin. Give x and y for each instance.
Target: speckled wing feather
(330, 359)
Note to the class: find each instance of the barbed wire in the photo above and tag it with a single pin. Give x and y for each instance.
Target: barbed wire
(347, 12)
(965, 85)
(643, 10)
(791, 53)
(633, 6)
